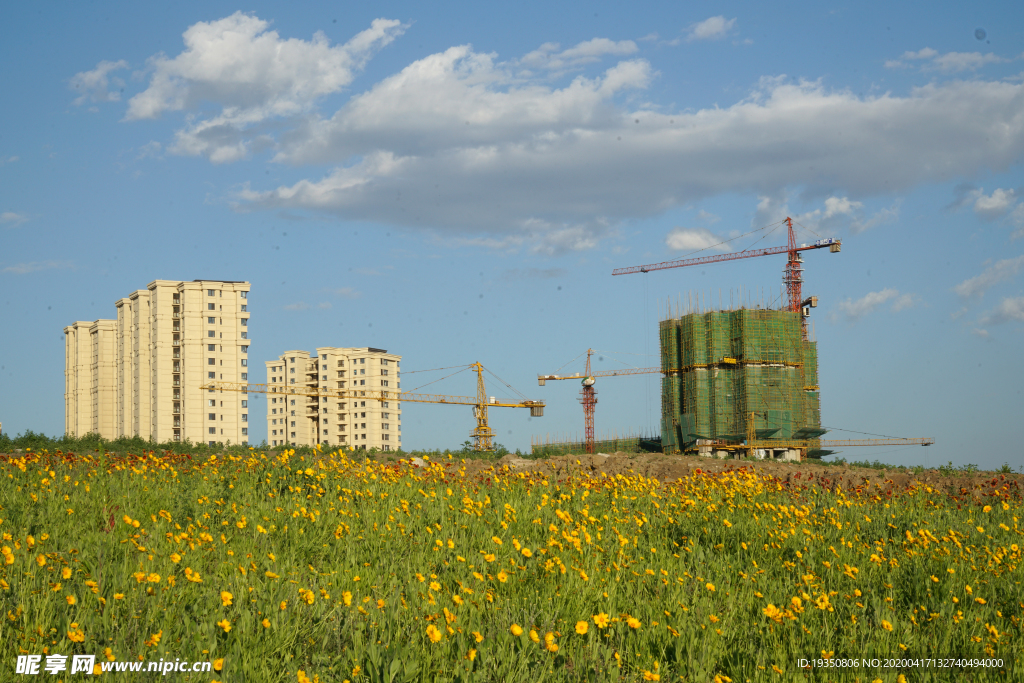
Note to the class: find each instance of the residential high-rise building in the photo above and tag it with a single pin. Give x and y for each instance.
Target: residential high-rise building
(141, 374)
(356, 420)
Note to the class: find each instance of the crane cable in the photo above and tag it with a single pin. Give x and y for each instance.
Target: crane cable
(412, 391)
(514, 390)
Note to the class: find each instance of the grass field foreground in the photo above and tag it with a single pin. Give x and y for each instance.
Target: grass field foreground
(331, 568)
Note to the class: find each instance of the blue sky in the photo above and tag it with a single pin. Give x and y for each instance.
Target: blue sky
(457, 184)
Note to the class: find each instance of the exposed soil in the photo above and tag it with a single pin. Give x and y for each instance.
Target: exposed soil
(668, 468)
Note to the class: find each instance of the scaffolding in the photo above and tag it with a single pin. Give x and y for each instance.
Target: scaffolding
(722, 366)
(629, 442)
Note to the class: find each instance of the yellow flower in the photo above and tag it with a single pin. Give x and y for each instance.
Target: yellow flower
(224, 624)
(434, 634)
(722, 678)
(710, 587)
(886, 625)
(266, 623)
(65, 573)
(284, 605)
(600, 620)
(225, 598)
(552, 647)
(980, 601)
(496, 540)
(987, 508)
(435, 586)
(533, 636)
(175, 558)
(271, 575)
(471, 655)
(154, 639)
(218, 664)
(307, 596)
(41, 560)
(71, 599)
(633, 622)
(478, 637)
(76, 635)
(502, 576)
(582, 627)
(489, 557)
(934, 578)
(527, 552)
(727, 523)
(346, 596)
(516, 629)
(650, 676)
(119, 596)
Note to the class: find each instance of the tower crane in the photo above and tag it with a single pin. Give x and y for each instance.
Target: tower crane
(792, 276)
(588, 394)
(483, 436)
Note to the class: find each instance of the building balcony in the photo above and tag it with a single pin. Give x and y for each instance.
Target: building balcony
(176, 342)
(175, 315)
(177, 353)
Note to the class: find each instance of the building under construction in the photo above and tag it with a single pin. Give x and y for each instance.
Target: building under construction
(724, 369)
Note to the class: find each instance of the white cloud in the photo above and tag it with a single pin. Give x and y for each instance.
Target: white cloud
(346, 293)
(299, 306)
(94, 86)
(34, 266)
(11, 218)
(951, 62)
(855, 310)
(548, 57)
(711, 28)
(837, 212)
(253, 75)
(1009, 309)
(694, 239)
(1000, 271)
(323, 305)
(1018, 219)
(8, 160)
(995, 205)
(708, 217)
(881, 217)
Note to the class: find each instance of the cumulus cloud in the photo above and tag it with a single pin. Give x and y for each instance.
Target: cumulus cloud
(694, 239)
(836, 213)
(94, 85)
(34, 266)
(461, 143)
(1000, 271)
(995, 205)
(711, 28)
(1009, 309)
(857, 309)
(950, 62)
(253, 75)
(10, 218)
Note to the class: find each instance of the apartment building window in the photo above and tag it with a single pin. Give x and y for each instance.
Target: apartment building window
(174, 296)
(383, 382)
(362, 361)
(245, 349)
(245, 335)
(245, 295)
(211, 361)
(362, 371)
(209, 292)
(293, 380)
(341, 373)
(293, 424)
(211, 375)
(245, 321)
(211, 321)
(244, 362)
(211, 347)
(325, 432)
(212, 416)
(245, 404)
(245, 431)
(211, 333)
(292, 370)
(362, 382)
(245, 417)
(212, 430)
(383, 361)
(212, 403)
(211, 307)
(245, 376)
(273, 379)
(384, 372)
(341, 363)
(384, 426)
(293, 435)
(244, 308)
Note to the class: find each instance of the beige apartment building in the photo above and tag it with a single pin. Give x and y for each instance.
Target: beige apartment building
(351, 420)
(141, 374)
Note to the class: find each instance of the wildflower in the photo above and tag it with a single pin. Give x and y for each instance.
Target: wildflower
(527, 552)
(346, 597)
(471, 655)
(582, 627)
(284, 605)
(552, 647)
(980, 601)
(502, 576)
(218, 664)
(516, 629)
(710, 587)
(307, 596)
(76, 635)
(435, 586)
(489, 557)
(119, 596)
(434, 634)
(650, 676)
(65, 573)
(153, 578)
(40, 560)
(886, 625)
(271, 575)
(533, 636)
(722, 678)
(225, 598)
(633, 623)
(727, 523)
(71, 599)
(600, 620)
(773, 613)
(266, 623)
(154, 639)
(987, 508)
(496, 540)
(224, 624)
(478, 637)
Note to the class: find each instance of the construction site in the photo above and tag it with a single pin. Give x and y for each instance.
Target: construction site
(737, 381)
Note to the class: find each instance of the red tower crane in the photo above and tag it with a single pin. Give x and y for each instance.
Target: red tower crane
(792, 276)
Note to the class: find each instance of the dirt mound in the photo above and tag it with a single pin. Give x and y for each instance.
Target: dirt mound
(668, 468)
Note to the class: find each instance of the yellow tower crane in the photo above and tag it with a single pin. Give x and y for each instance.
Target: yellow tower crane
(483, 436)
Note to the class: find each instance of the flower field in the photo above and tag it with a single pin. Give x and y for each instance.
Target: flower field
(329, 568)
